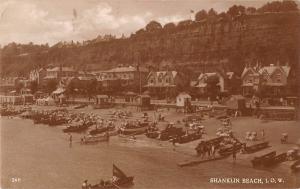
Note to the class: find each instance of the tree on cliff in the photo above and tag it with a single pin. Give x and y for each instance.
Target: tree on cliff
(236, 10)
(140, 31)
(212, 13)
(251, 10)
(153, 26)
(278, 6)
(169, 26)
(289, 5)
(201, 15)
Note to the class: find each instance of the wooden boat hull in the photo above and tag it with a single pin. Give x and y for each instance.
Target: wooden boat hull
(100, 130)
(102, 106)
(171, 133)
(80, 106)
(136, 131)
(256, 147)
(77, 129)
(116, 185)
(154, 134)
(188, 138)
(276, 160)
(95, 139)
(229, 150)
(259, 161)
(296, 166)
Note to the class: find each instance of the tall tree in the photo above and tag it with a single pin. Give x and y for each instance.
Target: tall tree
(33, 86)
(212, 87)
(201, 15)
(51, 86)
(153, 26)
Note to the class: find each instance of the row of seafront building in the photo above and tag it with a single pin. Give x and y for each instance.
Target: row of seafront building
(273, 80)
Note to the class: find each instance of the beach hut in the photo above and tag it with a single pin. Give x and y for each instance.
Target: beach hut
(62, 99)
(129, 96)
(40, 101)
(143, 102)
(39, 94)
(183, 99)
(49, 101)
(103, 101)
(15, 100)
(237, 103)
(28, 98)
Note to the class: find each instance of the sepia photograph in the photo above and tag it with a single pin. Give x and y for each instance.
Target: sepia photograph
(149, 94)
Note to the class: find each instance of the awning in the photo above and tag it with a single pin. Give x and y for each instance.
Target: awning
(275, 84)
(58, 91)
(201, 85)
(157, 86)
(248, 85)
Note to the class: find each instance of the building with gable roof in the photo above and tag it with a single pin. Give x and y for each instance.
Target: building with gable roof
(250, 81)
(37, 75)
(165, 84)
(128, 77)
(270, 80)
(227, 82)
(57, 72)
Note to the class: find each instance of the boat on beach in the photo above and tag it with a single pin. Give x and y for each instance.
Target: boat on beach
(130, 131)
(171, 132)
(80, 106)
(187, 138)
(77, 128)
(100, 130)
(134, 128)
(119, 179)
(255, 147)
(295, 166)
(261, 160)
(94, 139)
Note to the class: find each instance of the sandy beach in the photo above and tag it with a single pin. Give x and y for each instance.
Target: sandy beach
(42, 157)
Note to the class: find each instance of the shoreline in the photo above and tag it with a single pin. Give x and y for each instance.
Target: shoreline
(163, 151)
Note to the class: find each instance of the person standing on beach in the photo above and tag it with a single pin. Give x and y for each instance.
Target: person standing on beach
(263, 134)
(208, 149)
(213, 151)
(234, 152)
(70, 140)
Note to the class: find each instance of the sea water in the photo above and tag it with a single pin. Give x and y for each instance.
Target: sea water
(41, 157)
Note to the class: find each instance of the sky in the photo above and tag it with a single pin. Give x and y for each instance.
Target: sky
(51, 21)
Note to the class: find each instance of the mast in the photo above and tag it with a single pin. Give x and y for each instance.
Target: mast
(140, 78)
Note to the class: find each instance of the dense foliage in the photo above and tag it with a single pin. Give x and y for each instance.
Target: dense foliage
(226, 40)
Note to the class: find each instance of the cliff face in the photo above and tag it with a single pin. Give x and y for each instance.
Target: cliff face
(202, 46)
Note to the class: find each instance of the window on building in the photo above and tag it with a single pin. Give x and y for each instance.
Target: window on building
(278, 77)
